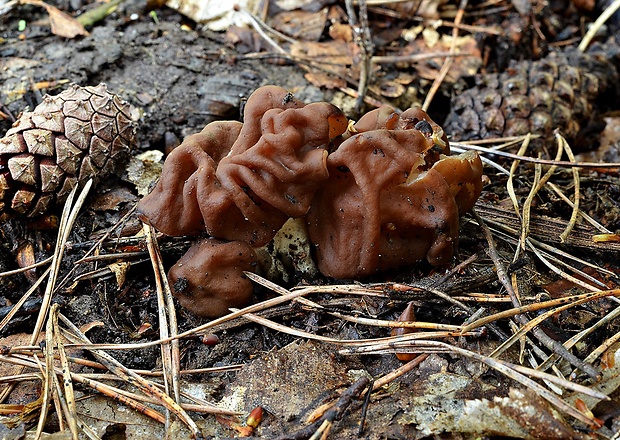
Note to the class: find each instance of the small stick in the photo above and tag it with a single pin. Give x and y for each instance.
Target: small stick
(361, 32)
(559, 163)
(332, 414)
(448, 61)
(365, 406)
(547, 341)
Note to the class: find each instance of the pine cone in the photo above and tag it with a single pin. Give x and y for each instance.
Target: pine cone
(82, 133)
(556, 92)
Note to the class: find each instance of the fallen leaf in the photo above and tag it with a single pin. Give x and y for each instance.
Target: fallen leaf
(90, 325)
(62, 24)
(319, 79)
(144, 169)
(216, 15)
(112, 200)
(467, 64)
(303, 25)
(120, 271)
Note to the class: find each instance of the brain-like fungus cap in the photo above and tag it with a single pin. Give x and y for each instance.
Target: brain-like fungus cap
(209, 278)
(243, 181)
(388, 194)
(385, 204)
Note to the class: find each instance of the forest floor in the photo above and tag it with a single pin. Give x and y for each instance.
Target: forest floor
(179, 76)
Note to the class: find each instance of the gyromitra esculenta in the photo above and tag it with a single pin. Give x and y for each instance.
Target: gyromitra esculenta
(243, 181)
(388, 195)
(391, 198)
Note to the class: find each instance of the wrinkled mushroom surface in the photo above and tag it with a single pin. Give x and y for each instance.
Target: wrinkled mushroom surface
(385, 205)
(209, 278)
(243, 181)
(385, 195)
(187, 189)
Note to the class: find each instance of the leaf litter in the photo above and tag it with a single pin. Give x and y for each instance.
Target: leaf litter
(482, 366)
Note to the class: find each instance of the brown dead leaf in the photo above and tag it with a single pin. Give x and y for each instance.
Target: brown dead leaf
(466, 65)
(388, 88)
(419, 8)
(303, 25)
(320, 79)
(333, 52)
(62, 24)
(120, 272)
(90, 325)
(341, 31)
(112, 200)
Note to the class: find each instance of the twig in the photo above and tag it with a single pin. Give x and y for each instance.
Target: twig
(363, 39)
(400, 371)
(605, 15)
(334, 413)
(550, 343)
(448, 61)
(559, 163)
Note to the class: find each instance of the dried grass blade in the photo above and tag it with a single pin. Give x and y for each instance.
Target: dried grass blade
(353, 342)
(554, 250)
(69, 214)
(513, 168)
(563, 274)
(576, 182)
(589, 219)
(529, 326)
(281, 290)
(570, 300)
(290, 296)
(69, 395)
(61, 406)
(88, 431)
(606, 345)
(47, 373)
(130, 376)
(567, 384)
(503, 367)
(114, 393)
(18, 305)
(346, 289)
(170, 362)
(560, 163)
(111, 392)
(592, 31)
(536, 187)
(576, 338)
(26, 268)
(398, 324)
(527, 207)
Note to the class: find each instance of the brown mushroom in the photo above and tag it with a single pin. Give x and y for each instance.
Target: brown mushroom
(242, 182)
(209, 278)
(187, 189)
(463, 174)
(384, 205)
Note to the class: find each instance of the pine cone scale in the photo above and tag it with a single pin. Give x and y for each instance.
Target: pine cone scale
(83, 133)
(556, 92)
